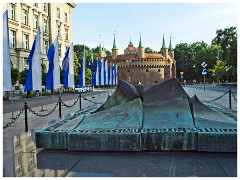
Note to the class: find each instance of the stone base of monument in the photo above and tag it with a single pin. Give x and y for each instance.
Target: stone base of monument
(125, 141)
(221, 141)
(169, 139)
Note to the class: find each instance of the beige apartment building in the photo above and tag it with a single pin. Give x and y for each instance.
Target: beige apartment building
(24, 19)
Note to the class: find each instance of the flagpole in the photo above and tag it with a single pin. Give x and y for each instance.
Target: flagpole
(11, 104)
(42, 104)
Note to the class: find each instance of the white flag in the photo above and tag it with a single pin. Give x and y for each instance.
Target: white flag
(7, 80)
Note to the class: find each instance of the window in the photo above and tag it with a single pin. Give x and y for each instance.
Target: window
(128, 71)
(58, 13)
(158, 70)
(66, 34)
(25, 16)
(12, 39)
(65, 17)
(45, 7)
(11, 11)
(155, 81)
(59, 49)
(46, 44)
(16, 140)
(146, 70)
(36, 4)
(59, 30)
(30, 158)
(35, 25)
(25, 41)
(42, 172)
(18, 164)
(45, 25)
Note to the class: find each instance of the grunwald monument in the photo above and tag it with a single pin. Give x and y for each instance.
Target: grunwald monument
(161, 117)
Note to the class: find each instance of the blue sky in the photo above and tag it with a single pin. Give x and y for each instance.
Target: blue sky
(184, 22)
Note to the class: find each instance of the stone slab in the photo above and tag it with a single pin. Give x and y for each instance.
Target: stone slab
(104, 141)
(55, 136)
(217, 141)
(169, 139)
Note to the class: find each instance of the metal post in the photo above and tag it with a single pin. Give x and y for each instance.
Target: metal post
(11, 104)
(60, 109)
(26, 118)
(80, 101)
(204, 81)
(230, 98)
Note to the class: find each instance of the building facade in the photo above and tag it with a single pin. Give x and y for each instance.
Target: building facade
(137, 67)
(24, 19)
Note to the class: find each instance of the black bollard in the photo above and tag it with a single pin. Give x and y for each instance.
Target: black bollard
(230, 98)
(80, 101)
(60, 108)
(26, 118)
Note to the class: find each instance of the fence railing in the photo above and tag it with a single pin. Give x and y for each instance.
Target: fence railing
(59, 104)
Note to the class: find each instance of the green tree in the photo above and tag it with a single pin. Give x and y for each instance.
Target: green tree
(77, 67)
(23, 76)
(221, 68)
(88, 76)
(44, 75)
(15, 74)
(148, 50)
(227, 40)
(189, 58)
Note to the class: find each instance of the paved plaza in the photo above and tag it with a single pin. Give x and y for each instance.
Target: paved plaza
(115, 164)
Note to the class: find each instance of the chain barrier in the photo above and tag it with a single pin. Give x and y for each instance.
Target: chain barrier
(217, 97)
(14, 119)
(59, 102)
(234, 97)
(69, 106)
(43, 115)
(84, 98)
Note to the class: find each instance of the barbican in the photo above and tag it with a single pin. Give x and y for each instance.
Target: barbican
(140, 68)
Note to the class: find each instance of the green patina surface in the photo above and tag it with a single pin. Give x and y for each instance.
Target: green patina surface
(127, 115)
(165, 118)
(125, 92)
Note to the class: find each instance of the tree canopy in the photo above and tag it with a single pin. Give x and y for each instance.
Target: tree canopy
(221, 54)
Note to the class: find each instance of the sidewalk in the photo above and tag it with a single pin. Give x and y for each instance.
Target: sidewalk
(208, 95)
(35, 122)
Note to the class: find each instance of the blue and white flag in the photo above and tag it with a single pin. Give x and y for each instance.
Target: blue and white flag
(82, 71)
(116, 72)
(106, 73)
(110, 76)
(113, 75)
(34, 75)
(53, 75)
(7, 80)
(97, 74)
(102, 72)
(92, 70)
(67, 66)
